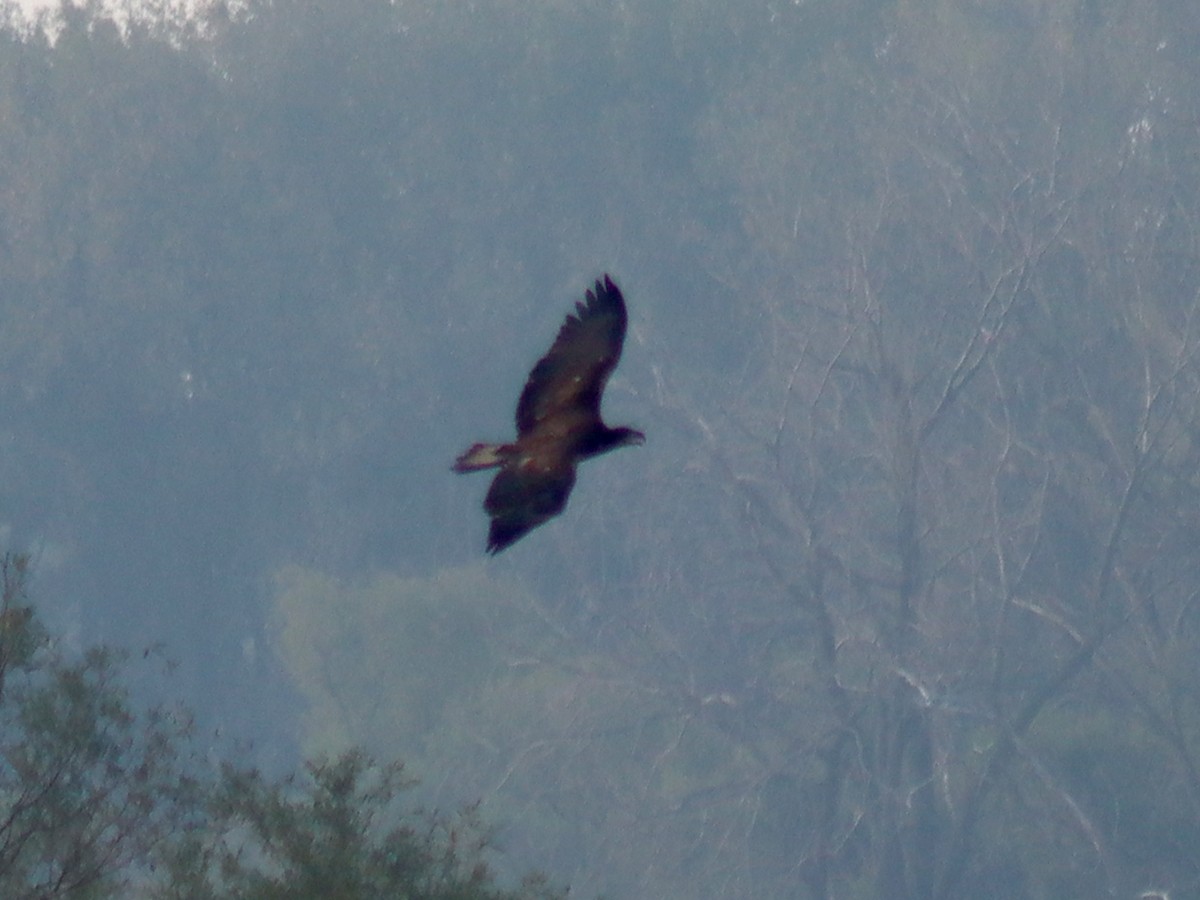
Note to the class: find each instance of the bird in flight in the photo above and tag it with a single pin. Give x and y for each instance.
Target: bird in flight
(558, 421)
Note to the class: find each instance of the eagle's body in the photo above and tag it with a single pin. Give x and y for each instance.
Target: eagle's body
(558, 421)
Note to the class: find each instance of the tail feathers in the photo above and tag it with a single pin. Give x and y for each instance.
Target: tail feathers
(480, 456)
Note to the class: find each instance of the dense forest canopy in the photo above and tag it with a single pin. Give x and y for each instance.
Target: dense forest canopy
(899, 599)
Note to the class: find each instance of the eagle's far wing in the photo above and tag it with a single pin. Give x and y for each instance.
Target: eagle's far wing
(522, 498)
(572, 374)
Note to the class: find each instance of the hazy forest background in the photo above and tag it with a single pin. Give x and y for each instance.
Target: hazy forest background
(900, 599)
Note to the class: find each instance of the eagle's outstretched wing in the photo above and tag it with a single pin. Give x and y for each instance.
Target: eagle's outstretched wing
(570, 377)
(522, 497)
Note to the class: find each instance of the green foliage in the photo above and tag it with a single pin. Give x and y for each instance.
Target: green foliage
(88, 787)
(98, 800)
(332, 833)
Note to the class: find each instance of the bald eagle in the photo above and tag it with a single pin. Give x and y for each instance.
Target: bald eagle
(558, 421)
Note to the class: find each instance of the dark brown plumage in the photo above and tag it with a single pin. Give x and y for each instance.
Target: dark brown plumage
(558, 421)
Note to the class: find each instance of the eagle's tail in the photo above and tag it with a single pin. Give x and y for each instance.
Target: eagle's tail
(480, 456)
